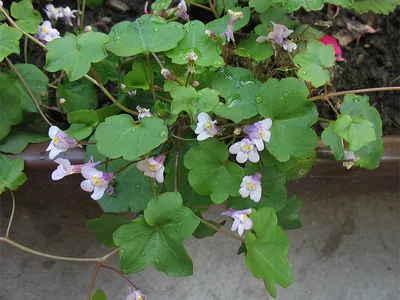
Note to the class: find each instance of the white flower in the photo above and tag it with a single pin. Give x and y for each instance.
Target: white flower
(259, 133)
(96, 181)
(289, 45)
(60, 142)
(251, 186)
(206, 127)
(153, 167)
(88, 28)
(241, 218)
(46, 32)
(143, 112)
(279, 34)
(136, 295)
(181, 11)
(65, 168)
(245, 150)
(52, 12)
(67, 14)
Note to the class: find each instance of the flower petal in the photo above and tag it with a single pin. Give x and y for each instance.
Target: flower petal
(253, 156)
(235, 148)
(203, 136)
(203, 117)
(59, 173)
(98, 192)
(242, 157)
(87, 186)
(55, 151)
(88, 172)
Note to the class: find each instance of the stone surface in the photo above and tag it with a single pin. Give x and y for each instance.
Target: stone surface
(347, 249)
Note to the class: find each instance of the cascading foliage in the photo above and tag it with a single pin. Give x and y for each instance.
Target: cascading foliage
(190, 114)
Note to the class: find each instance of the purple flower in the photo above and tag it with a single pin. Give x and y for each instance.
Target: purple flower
(96, 181)
(136, 295)
(259, 133)
(251, 186)
(279, 36)
(206, 127)
(46, 32)
(181, 11)
(245, 150)
(168, 75)
(52, 13)
(153, 167)
(233, 16)
(241, 219)
(289, 45)
(65, 168)
(67, 14)
(143, 112)
(60, 142)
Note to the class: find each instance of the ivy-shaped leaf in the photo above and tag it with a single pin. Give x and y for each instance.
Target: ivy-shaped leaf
(285, 102)
(192, 101)
(288, 217)
(358, 131)
(261, 6)
(104, 228)
(19, 138)
(157, 238)
(314, 62)
(370, 155)
(74, 54)
(210, 171)
(207, 50)
(28, 19)
(292, 5)
(107, 69)
(121, 136)
(11, 175)
(257, 51)
(138, 78)
(149, 33)
(267, 250)
(82, 123)
(78, 95)
(9, 41)
(330, 138)
(99, 295)
(239, 89)
(376, 6)
(224, 5)
(160, 5)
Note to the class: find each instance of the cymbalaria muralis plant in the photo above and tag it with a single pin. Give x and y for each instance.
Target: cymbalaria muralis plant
(192, 114)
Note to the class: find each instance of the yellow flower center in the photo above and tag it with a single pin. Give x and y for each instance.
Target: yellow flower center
(208, 124)
(250, 185)
(44, 29)
(246, 148)
(245, 217)
(56, 139)
(153, 167)
(140, 298)
(261, 133)
(95, 180)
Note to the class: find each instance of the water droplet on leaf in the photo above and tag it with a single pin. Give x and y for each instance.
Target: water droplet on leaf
(155, 29)
(145, 234)
(143, 254)
(302, 172)
(259, 99)
(137, 186)
(156, 261)
(124, 271)
(141, 21)
(274, 154)
(285, 94)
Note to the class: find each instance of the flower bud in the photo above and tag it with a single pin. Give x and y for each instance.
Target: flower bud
(88, 28)
(235, 15)
(210, 34)
(237, 131)
(195, 83)
(62, 101)
(168, 75)
(192, 56)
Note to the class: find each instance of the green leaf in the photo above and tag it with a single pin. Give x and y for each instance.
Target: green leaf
(10, 110)
(285, 102)
(224, 5)
(261, 6)
(121, 136)
(111, 109)
(330, 138)
(267, 250)
(238, 87)
(202, 231)
(108, 69)
(28, 19)
(370, 155)
(257, 51)
(288, 217)
(94, 3)
(74, 54)
(296, 168)
(274, 193)
(19, 138)
(160, 5)
(277, 15)
(79, 131)
(99, 294)
(9, 41)
(11, 175)
(358, 131)
(192, 101)
(104, 228)
(207, 50)
(314, 62)
(210, 171)
(376, 6)
(132, 189)
(157, 238)
(78, 95)
(292, 5)
(139, 78)
(219, 25)
(88, 117)
(149, 33)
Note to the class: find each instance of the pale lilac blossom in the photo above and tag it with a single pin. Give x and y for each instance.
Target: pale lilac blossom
(60, 142)
(136, 295)
(233, 17)
(46, 32)
(52, 13)
(153, 167)
(206, 127)
(241, 220)
(251, 186)
(143, 112)
(67, 14)
(130, 93)
(279, 36)
(65, 168)
(245, 150)
(96, 181)
(88, 28)
(289, 45)
(181, 11)
(259, 133)
(167, 74)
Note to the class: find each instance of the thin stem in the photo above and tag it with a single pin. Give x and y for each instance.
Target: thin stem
(26, 50)
(126, 166)
(12, 214)
(324, 120)
(54, 109)
(220, 230)
(164, 99)
(153, 91)
(158, 60)
(176, 174)
(108, 160)
(181, 138)
(153, 187)
(28, 90)
(214, 11)
(331, 105)
(82, 13)
(52, 86)
(25, 33)
(198, 5)
(96, 272)
(125, 277)
(111, 97)
(371, 90)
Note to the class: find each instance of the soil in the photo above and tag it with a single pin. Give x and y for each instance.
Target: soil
(374, 62)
